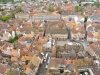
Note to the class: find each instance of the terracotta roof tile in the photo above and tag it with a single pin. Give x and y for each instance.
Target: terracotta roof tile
(14, 53)
(28, 46)
(78, 30)
(90, 35)
(30, 54)
(2, 69)
(70, 7)
(21, 38)
(23, 52)
(95, 45)
(14, 59)
(44, 40)
(25, 66)
(68, 61)
(27, 70)
(53, 51)
(24, 58)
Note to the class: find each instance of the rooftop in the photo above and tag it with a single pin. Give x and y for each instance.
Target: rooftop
(96, 47)
(56, 27)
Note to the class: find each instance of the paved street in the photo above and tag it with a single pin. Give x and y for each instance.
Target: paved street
(95, 69)
(62, 43)
(42, 69)
(85, 44)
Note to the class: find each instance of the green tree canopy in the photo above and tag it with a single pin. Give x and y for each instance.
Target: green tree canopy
(79, 9)
(18, 10)
(96, 4)
(12, 40)
(50, 9)
(86, 18)
(4, 18)
(65, 1)
(1, 9)
(12, 15)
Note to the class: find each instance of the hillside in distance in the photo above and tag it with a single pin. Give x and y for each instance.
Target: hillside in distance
(6, 1)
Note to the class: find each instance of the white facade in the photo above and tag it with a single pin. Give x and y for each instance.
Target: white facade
(13, 34)
(77, 36)
(60, 36)
(6, 36)
(22, 15)
(89, 39)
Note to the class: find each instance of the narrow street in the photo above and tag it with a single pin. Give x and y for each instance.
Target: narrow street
(85, 44)
(42, 69)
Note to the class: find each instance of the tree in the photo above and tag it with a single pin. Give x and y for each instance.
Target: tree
(90, 42)
(85, 19)
(86, 4)
(65, 1)
(4, 18)
(50, 9)
(12, 15)
(1, 9)
(18, 10)
(79, 9)
(82, 1)
(97, 4)
(76, 8)
(12, 40)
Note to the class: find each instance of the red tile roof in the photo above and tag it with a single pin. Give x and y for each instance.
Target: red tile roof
(96, 45)
(90, 35)
(70, 7)
(80, 30)
(2, 69)
(53, 51)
